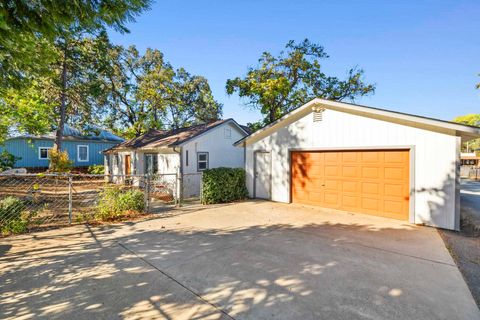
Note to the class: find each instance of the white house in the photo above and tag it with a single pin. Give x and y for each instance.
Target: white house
(184, 152)
(360, 159)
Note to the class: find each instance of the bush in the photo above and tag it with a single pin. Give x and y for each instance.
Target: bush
(116, 202)
(7, 160)
(96, 169)
(12, 215)
(223, 185)
(59, 161)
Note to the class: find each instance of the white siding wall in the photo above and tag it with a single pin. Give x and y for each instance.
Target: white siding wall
(221, 153)
(434, 164)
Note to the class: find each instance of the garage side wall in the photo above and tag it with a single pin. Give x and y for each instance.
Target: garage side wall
(434, 167)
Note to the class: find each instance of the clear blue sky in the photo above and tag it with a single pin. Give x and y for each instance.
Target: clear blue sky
(423, 56)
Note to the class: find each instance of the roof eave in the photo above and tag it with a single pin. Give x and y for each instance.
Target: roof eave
(466, 132)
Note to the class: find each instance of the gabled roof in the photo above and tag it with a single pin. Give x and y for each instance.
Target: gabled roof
(452, 128)
(170, 138)
(70, 133)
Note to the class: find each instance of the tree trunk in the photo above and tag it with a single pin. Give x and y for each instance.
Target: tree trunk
(271, 115)
(57, 145)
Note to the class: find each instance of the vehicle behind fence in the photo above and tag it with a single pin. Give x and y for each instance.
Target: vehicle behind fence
(30, 201)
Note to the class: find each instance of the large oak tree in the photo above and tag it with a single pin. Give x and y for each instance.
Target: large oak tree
(145, 92)
(278, 84)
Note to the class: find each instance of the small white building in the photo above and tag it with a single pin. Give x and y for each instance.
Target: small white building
(360, 159)
(184, 152)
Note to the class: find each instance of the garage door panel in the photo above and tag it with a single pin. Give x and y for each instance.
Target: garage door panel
(331, 199)
(393, 190)
(351, 186)
(371, 172)
(368, 181)
(395, 157)
(330, 184)
(331, 171)
(332, 157)
(350, 157)
(350, 201)
(391, 206)
(369, 157)
(393, 173)
(371, 188)
(350, 171)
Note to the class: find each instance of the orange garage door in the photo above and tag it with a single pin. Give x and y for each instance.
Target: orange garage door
(368, 181)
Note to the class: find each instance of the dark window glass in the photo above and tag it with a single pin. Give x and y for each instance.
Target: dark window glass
(151, 163)
(44, 153)
(202, 161)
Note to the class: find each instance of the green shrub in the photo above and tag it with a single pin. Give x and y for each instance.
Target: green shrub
(59, 161)
(116, 202)
(7, 160)
(223, 185)
(13, 216)
(96, 169)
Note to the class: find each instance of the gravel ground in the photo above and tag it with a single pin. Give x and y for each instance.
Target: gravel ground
(464, 246)
(465, 250)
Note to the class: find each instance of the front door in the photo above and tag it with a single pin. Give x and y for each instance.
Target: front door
(263, 175)
(128, 164)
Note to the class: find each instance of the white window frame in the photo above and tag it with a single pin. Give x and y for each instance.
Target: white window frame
(40, 153)
(78, 153)
(206, 161)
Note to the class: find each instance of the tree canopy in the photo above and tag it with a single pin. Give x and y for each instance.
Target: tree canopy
(472, 119)
(145, 91)
(283, 82)
(25, 27)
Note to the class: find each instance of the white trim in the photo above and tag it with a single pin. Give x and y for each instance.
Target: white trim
(78, 153)
(392, 116)
(39, 153)
(206, 161)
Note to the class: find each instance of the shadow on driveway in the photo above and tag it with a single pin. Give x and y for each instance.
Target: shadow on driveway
(261, 261)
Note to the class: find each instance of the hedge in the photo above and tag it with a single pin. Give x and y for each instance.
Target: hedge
(223, 185)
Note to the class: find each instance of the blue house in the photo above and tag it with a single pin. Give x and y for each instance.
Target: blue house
(83, 148)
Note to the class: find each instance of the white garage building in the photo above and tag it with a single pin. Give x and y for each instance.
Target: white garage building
(360, 159)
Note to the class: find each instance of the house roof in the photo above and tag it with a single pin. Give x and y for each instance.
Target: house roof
(70, 133)
(170, 138)
(466, 132)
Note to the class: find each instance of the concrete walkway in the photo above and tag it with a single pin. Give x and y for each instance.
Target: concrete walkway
(252, 260)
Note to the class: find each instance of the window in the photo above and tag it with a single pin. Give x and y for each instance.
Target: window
(151, 163)
(227, 133)
(82, 153)
(116, 160)
(186, 158)
(43, 153)
(202, 161)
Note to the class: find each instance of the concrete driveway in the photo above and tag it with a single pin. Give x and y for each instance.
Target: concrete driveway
(252, 260)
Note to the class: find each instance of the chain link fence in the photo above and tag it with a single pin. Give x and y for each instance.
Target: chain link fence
(32, 201)
(470, 172)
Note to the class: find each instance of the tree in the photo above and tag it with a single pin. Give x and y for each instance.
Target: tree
(470, 120)
(281, 83)
(26, 25)
(68, 92)
(146, 92)
(54, 25)
(182, 100)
